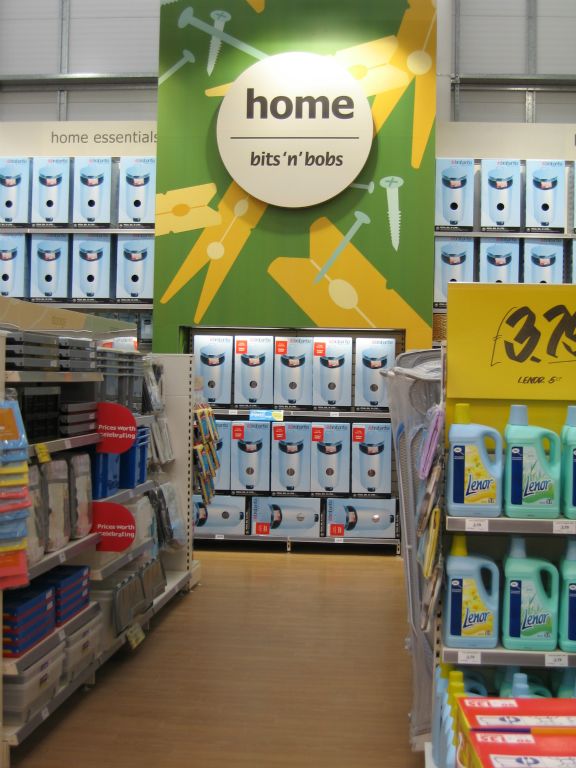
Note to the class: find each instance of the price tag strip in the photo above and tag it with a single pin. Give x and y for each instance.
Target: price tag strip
(135, 635)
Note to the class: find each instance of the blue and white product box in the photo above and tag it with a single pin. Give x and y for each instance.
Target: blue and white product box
(332, 371)
(90, 267)
(543, 261)
(330, 458)
(213, 363)
(499, 260)
(545, 195)
(454, 193)
(250, 456)
(135, 267)
(14, 190)
(92, 190)
(254, 370)
(49, 266)
(361, 518)
(222, 479)
(50, 190)
(290, 462)
(225, 515)
(285, 517)
(373, 356)
(500, 197)
(13, 268)
(136, 190)
(371, 458)
(293, 370)
(453, 263)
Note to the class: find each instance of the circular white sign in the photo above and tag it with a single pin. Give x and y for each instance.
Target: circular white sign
(294, 129)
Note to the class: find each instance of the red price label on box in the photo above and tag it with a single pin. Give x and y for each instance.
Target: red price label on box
(281, 347)
(337, 530)
(358, 435)
(319, 348)
(317, 434)
(237, 431)
(279, 433)
(262, 529)
(241, 346)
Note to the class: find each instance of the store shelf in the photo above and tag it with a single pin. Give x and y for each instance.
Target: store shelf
(99, 574)
(321, 414)
(81, 230)
(16, 666)
(499, 656)
(145, 420)
(127, 494)
(499, 233)
(109, 306)
(560, 526)
(72, 550)
(67, 443)
(52, 377)
(294, 540)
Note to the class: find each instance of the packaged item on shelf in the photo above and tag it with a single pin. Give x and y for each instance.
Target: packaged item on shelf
(253, 370)
(14, 190)
(332, 371)
(152, 576)
(530, 603)
(568, 469)
(92, 190)
(545, 191)
(82, 648)
(171, 523)
(474, 487)
(520, 685)
(38, 521)
(293, 370)
(224, 515)
(55, 474)
(49, 266)
(144, 518)
(28, 692)
(137, 190)
(500, 199)
(13, 442)
(213, 362)
(371, 458)
(121, 599)
(543, 262)
(499, 261)
(90, 267)
(40, 405)
(80, 495)
(133, 462)
(134, 267)
(471, 618)
(508, 750)
(294, 518)
(13, 264)
(71, 589)
(454, 193)
(28, 616)
(567, 606)
(290, 464)
(250, 456)
(330, 458)
(453, 263)
(373, 356)
(222, 479)
(532, 476)
(105, 474)
(566, 687)
(50, 190)
(361, 518)
(161, 445)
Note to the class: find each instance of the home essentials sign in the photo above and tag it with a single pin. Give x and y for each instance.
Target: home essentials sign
(294, 129)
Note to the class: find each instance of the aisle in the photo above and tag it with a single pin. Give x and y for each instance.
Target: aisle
(277, 660)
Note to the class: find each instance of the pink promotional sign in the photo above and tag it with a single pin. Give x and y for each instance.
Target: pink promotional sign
(116, 427)
(115, 524)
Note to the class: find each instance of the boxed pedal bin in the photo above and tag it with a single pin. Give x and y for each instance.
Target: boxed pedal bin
(250, 456)
(361, 518)
(294, 518)
(330, 457)
(224, 515)
(371, 458)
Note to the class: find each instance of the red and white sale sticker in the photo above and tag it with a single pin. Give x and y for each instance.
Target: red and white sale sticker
(337, 529)
(279, 433)
(317, 434)
(319, 348)
(358, 434)
(237, 431)
(115, 524)
(281, 347)
(116, 426)
(241, 346)
(262, 529)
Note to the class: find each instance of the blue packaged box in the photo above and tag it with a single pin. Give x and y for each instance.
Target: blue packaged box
(136, 190)
(50, 190)
(92, 190)
(105, 474)
(24, 605)
(361, 518)
(14, 190)
(13, 266)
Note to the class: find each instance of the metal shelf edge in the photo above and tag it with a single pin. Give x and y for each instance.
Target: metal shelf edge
(502, 656)
(99, 574)
(52, 377)
(304, 540)
(70, 551)
(126, 494)
(68, 443)
(554, 526)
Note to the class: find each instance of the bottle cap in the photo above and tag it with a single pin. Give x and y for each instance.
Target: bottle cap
(462, 413)
(570, 416)
(459, 547)
(517, 547)
(518, 415)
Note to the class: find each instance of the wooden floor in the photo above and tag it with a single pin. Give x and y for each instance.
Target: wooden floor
(275, 660)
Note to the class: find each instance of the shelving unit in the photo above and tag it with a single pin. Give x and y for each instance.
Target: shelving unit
(52, 377)
(291, 413)
(67, 443)
(69, 552)
(290, 541)
(101, 573)
(500, 656)
(558, 527)
(127, 494)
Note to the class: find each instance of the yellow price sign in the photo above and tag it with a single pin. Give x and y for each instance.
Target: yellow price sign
(42, 453)
(515, 342)
(135, 635)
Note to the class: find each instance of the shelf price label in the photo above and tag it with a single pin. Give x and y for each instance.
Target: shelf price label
(556, 660)
(524, 348)
(42, 453)
(135, 635)
(564, 526)
(469, 657)
(476, 525)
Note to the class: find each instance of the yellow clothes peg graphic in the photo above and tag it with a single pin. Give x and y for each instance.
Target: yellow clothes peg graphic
(182, 210)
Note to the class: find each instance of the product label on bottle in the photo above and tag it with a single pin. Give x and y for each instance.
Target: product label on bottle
(528, 618)
(571, 611)
(473, 483)
(531, 485)
(574, 478)
(469, 617)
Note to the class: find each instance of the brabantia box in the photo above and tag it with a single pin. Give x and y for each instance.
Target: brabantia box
(511, 750)
(224, 515)
(250, 456)
(222, 479)
(330, 458)
(454, 193)
(543, 261)
(90, 267)
(253, 370)
(500, 198)
(545, 195)
(49, 266)
(213, 362)
(13, 269)
(361, 518)
(500, 260)
(290, 449)
(50, 190)
(454, 263)
(92, 190)
(136, 190)
(134, 267)
(371, 458)
(332, 371)
(293, 370)
(14, 190)
(285, 517)
(372, 357)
